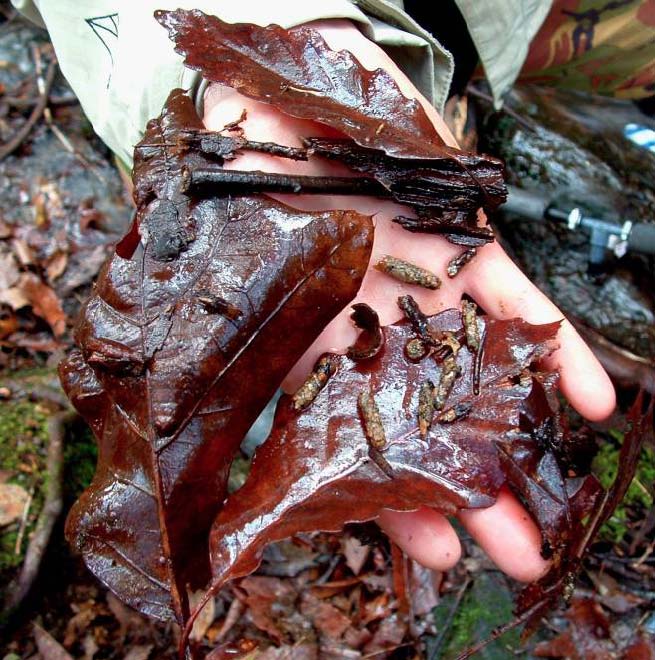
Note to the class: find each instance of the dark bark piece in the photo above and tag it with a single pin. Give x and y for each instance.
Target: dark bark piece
(444, 188)
(475, 235)
(316, 470)
(371, 338)
(165, 374)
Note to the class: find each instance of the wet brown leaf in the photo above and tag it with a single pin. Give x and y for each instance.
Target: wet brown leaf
(313, 470)
(170, 386)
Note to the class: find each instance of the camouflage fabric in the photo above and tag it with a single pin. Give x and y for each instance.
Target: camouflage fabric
(601, 46)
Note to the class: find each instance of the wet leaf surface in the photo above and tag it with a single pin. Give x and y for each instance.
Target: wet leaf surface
(165, 379)
(318, 469)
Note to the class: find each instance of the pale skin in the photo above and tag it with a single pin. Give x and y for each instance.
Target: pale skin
(505, 530)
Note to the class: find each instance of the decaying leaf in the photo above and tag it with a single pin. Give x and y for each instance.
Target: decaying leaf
(391, 139)
(316, 471)
(169, 383)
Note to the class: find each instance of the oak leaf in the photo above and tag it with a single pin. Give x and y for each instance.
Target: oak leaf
(193, 324)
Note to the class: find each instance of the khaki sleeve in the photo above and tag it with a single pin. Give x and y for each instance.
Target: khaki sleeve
(502, 33)
(121, 64)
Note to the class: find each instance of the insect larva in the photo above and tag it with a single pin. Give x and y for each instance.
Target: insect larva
(373, 428)
(457, 263)
(425, 407)
(449, 372)
(408, 272)
(470, 323)
(323, 370)
(415, 349)
(455, 413)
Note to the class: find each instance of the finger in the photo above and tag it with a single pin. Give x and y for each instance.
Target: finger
(504, 292)
(507, 533)
(425, 535)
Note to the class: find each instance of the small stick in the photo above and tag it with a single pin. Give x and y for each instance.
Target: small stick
(477, 364)
(23, 522)
(404, 271)
(373, 428)
(35, 115)
(457, 263)
(324, 369)
(257, 181)
(214, 304)
(417, 318)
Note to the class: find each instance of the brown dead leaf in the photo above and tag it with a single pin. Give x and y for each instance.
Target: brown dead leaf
(355, 553)
(327, 619)
(205, 618)
(140, 652)
(49, 647)
(44, 302)
(56, 265)
(13, 499)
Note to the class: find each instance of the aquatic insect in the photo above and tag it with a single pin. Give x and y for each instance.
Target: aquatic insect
(407, 272)
(323, 370)
(370, 414)
(425, 407)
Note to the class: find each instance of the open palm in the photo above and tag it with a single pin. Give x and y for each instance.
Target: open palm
(505, 531)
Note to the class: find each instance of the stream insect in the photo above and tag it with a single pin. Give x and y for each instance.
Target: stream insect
(454, 414)
(425, 407)
(323, 370)
(404, 271)
(470, 323)
(450, 371)
(457, 263)
(373, 428)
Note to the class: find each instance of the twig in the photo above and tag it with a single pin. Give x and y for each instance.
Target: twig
(50, 512)
(257, 181)
(23, 522)
(449, 619)
(24, 130)
(47, 115)
(500, 631)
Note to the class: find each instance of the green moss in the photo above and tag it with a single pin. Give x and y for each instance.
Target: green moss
(23, 442)
(486, 605)
(639, 496)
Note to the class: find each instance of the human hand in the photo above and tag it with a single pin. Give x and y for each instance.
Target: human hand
(505, 530)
